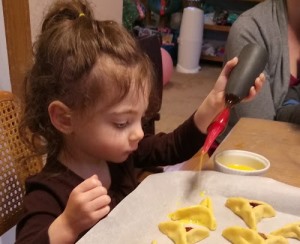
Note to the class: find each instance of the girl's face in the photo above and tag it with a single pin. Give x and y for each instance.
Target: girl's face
(110, 134)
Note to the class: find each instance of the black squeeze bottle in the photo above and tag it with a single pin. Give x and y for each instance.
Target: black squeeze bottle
(251, 62)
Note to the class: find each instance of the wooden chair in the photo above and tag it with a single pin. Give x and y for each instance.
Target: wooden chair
(14, 169)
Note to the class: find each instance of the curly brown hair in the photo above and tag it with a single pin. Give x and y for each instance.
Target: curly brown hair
(78, 60)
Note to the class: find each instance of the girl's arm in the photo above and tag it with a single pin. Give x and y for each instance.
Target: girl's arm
(188, 138)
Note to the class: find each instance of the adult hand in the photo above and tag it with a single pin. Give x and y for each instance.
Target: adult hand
(258, 84)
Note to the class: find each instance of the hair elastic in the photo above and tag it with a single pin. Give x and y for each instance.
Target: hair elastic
(81, 15)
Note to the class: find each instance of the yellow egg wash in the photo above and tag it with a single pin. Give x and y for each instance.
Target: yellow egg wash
(188, 221)
(201, 161)
(202, 193)
(240, 167)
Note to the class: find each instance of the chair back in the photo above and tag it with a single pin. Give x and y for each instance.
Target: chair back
(151, 46)
(14, 169)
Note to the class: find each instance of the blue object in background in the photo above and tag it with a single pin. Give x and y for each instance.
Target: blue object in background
(173, 49)
(172, 6)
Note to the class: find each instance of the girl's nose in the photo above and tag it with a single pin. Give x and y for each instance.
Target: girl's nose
(137, 133)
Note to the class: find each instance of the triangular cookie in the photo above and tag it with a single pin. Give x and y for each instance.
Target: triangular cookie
(174, 230)
(201, 214)
(289, 231)
(239, 235)
(207, 202)
(180, 235)
(251, 211)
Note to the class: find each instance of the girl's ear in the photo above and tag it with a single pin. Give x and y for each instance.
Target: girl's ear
(60, 116)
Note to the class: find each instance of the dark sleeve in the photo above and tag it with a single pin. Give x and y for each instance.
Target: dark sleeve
(293, 94)
(290, 110)
(41, 209)
(289, 113)
(170, 148)
(45, 199)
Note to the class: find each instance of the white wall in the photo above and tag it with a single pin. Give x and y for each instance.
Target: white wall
(108, 9)
(4, 68)
(103, 10)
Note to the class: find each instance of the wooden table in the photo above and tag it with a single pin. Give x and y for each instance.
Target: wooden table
(277, 141)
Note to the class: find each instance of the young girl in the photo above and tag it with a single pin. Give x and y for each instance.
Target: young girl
(86, 94)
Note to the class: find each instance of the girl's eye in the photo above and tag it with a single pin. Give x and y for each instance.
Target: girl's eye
(121, 125)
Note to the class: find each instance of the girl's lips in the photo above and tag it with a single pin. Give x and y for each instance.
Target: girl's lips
(131, 151)
(134, 148)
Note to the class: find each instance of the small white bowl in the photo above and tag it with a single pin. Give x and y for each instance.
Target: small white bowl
(241, 162)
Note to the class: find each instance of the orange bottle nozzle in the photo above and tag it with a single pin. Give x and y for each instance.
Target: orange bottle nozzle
(215, 129)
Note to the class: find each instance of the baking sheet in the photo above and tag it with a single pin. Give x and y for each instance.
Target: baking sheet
(136, 218)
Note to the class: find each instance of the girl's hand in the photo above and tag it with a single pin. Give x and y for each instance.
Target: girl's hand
(219, 88)
(87, 204)
(214, 103)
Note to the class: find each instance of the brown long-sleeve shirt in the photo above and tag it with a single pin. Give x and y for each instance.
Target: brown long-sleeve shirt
(47, 193)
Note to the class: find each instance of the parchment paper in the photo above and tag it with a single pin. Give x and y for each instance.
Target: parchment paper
(135, 220)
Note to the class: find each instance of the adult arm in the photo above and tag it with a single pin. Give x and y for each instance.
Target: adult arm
(264, 25)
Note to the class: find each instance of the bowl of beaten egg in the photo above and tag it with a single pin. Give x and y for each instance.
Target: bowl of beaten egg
(241, 162)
